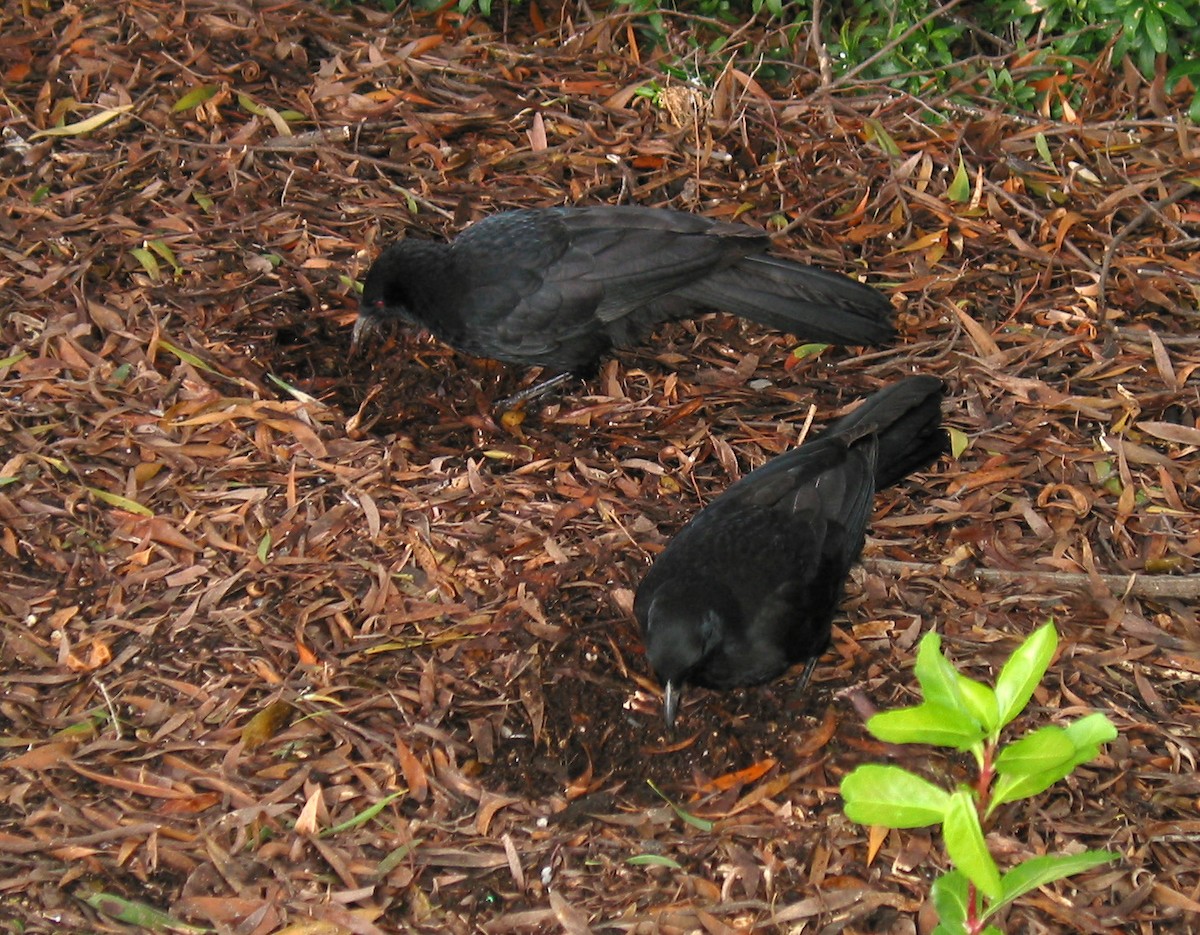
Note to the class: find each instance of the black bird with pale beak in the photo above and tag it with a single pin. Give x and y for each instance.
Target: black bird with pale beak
(559, 287)
(749, 587)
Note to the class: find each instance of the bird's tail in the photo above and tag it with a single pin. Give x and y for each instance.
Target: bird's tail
(905, 420)
(802, 300)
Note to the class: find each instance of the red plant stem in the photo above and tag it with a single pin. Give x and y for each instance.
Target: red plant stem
(972, 908)
(983, 787)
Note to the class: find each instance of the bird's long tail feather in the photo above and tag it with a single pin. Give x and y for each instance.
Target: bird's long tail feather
(906, 420)
(811, 303)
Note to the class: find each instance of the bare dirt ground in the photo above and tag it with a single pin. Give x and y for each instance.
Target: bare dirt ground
(294, 642)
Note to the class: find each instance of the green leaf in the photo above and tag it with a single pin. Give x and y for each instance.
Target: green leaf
(883, 138)
(185, 356)
(149, 262)
(248, 103)
(927, 723)
(83, 126)
(121, 503)
(135, 913)
(195, 97)
(1043, 148)
(1044, 749)
(937, 676)
(291, 390)
(1038, 871)
(1085, 735)
(1188, 69)
(364, 816)
(396, 857)
(1092, 730)
(1024, 669)
(958, 442)
(205, 203)
(808, 350)
(980, 701)
(9, 361)
(1178, 14)
(160, 247)
(892, 797)
(703, 824)
(966, 846)
(653, 860)
(1156, 30)
(960, 187)
(949, 896)
(264, 547)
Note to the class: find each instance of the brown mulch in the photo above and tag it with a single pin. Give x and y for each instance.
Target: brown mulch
(298, 642)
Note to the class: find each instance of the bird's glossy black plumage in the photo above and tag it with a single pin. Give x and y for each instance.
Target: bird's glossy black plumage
(558, 287)
(749, 587)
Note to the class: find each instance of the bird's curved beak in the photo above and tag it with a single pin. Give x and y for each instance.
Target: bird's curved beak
(670, 704)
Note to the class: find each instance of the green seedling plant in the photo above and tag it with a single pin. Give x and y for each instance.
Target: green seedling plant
(967, 715)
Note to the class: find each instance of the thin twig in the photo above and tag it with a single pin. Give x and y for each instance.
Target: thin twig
(1183, 587)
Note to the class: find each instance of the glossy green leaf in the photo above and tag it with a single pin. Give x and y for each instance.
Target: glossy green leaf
(1024, 669)
(892, 797)
(1176, 12)
(928, 723)
(966, 846)
(1156, 30)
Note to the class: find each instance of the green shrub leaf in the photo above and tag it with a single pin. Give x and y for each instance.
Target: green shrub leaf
(892, 797)
(949, 896)
(980, 701)
(927, 723)
(1038, 871)
(1044, 749)
(966, 846)
(936, 674)
(1024, 669)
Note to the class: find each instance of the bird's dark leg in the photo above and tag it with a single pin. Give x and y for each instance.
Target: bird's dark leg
(533, 392)
(806, 675)
(670, 705)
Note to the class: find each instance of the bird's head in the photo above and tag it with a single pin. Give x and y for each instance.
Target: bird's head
(384, 294)
(682, 629)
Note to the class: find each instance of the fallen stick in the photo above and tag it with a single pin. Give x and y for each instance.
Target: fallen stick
(1183, 587)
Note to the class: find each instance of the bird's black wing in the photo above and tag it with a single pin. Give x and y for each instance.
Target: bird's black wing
(545, 275)
(777, 545)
